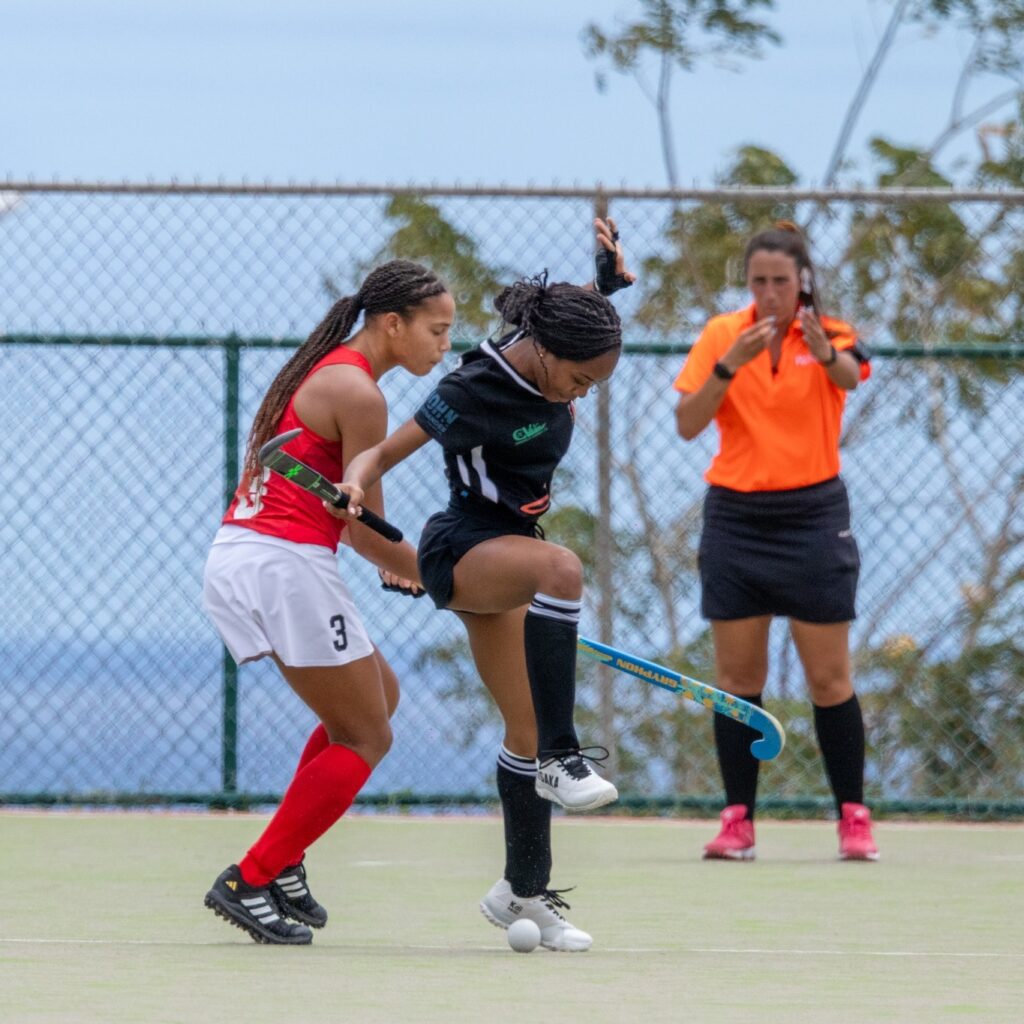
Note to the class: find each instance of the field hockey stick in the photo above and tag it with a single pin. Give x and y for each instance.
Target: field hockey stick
(310, 480)
(773, 736)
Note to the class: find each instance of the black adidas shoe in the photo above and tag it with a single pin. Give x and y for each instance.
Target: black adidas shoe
(294, 898)
(253, 910)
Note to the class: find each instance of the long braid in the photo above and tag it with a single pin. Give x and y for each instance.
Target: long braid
(570, 322)
(394, 287)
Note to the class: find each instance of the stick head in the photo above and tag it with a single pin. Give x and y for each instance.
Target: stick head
(267, 451)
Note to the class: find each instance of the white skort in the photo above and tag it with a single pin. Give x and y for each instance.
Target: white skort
(266, 594)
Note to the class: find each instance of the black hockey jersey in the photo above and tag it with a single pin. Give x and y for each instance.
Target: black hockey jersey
(502, 439)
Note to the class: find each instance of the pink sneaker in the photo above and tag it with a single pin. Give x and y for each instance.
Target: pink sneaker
(855, 842)
(736, 839)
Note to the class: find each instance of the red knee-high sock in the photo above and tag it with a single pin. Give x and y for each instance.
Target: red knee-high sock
(317, 797)
(316, 743)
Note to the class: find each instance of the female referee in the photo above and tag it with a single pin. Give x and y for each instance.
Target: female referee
(776, 537)
(504, 419)
(272, 586)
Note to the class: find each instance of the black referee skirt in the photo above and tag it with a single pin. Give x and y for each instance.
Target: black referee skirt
(788, 553)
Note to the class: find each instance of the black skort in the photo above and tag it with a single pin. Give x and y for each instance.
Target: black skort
(448, 535)
(787, 553)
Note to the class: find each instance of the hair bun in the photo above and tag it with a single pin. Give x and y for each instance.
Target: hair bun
(788, 225)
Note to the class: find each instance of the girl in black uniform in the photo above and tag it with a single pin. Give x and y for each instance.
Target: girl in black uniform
(504, 418)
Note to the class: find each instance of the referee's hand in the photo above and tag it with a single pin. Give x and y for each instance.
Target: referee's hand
(751, 343)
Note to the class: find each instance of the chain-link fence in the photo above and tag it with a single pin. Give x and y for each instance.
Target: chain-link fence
(142, 325)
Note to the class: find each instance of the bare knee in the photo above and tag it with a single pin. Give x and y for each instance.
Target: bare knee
(743, 677)
(741, 685)
(827, 690)
(562, 575)
(370, 742)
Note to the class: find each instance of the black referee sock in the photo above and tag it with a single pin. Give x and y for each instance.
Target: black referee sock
(550, 634)
(840, 730)
(738, 765)
(527, 825)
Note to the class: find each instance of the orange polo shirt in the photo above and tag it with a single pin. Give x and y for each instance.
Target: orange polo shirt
(776, 430)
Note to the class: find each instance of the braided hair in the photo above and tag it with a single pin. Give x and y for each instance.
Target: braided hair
(787, 238)
(570, 322)
(394, 287)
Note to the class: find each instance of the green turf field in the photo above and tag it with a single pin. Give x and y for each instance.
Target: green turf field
(102, 920)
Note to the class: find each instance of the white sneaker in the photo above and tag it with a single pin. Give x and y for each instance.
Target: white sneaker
(501, 907)
(569, 781)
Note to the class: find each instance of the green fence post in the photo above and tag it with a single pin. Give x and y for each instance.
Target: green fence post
(229, 670)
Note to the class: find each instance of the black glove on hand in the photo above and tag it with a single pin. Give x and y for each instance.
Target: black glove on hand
(608, 280)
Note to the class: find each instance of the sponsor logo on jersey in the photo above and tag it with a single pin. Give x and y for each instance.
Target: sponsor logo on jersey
(438, 414)
(528, 433)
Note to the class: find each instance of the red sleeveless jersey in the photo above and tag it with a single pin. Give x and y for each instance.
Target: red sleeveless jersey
(275, 506)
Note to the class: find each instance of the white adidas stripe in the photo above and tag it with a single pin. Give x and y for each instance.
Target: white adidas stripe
(260, 909)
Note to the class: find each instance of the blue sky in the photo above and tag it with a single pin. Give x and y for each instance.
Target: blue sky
(453, 90)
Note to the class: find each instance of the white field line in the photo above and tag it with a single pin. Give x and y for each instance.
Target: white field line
(637, 950)
(609, 820)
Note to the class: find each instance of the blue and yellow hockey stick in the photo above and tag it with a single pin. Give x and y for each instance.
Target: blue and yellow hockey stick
(773, 736)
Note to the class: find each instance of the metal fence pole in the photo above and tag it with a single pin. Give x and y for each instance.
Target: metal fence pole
(229, 670)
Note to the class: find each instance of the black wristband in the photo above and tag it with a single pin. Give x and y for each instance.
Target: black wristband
(722, 372)
(832, 358)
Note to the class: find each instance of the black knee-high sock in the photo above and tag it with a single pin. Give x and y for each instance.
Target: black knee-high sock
(527, 825)
(738, 765)
(550, 634)
(840, 730)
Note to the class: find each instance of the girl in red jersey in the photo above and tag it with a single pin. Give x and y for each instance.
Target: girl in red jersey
(272, 586)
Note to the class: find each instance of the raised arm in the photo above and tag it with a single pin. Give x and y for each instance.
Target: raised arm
(610, 260)
(696, 409)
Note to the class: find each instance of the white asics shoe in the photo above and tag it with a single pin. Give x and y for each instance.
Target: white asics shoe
(501, 907)
(569, 781)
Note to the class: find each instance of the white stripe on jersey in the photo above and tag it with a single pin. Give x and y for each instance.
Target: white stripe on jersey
(487, 485)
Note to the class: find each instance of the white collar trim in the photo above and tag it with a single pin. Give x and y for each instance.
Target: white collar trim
(496, 355)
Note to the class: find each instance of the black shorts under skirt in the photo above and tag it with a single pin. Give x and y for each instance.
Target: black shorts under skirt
(787, 553)
(448, 535)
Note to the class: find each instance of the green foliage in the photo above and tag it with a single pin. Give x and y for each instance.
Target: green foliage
(948, 726)
(918, 267)
(423, 234)
(706, 245)
(996, 28)
(683, 31)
